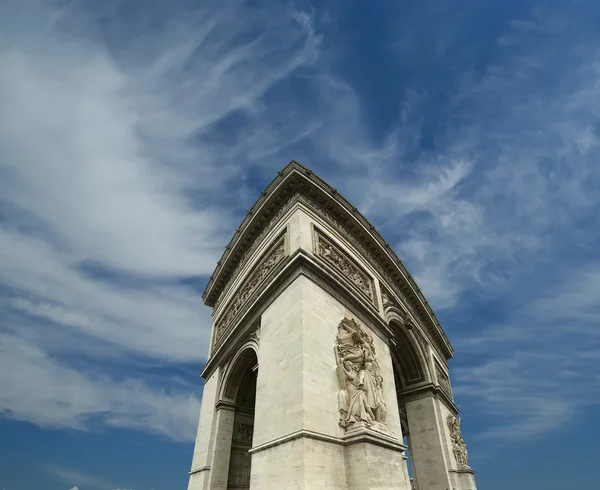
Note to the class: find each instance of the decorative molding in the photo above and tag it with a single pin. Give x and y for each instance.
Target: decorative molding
(337, 258)
(199, 470)
(376, 438)
(257, 241)
(353, 438)
(426, 391)
(262, 271)
(225, 405)
(424, 345)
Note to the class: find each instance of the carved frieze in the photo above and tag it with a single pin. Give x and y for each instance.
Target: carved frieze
(459, 448)
(239, 469)
(343, 264)
(243, 433)
(256, 242)
(360, 399)
(351, 237)
(443, 381)
(275, 255)
(386, 299)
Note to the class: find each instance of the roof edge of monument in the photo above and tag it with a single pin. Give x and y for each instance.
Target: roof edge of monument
(258, 216)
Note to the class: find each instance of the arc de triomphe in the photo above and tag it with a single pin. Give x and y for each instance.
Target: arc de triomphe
(327, 367)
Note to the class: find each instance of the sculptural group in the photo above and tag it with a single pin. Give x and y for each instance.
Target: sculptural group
(459, 448)
(360, 398)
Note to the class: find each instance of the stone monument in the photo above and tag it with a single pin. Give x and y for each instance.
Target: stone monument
(324, 357)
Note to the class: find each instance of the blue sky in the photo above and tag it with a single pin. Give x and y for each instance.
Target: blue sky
(134, 135)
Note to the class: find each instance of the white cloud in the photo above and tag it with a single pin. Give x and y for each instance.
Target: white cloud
(537, 370)
(51, 393)
(84, 480)
(115, 185)
(514, 167)
(118, 180)
(502, 205)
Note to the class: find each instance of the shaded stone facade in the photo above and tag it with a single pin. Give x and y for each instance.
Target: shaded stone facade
(324, 356)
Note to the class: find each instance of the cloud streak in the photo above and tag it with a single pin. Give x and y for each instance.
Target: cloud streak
(151, 133)
(120, 137)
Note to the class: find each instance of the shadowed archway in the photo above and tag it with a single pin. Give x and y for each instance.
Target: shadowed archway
(240, 388)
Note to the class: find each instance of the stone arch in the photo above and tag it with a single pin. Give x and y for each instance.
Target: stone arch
(410, 365)
(231, 467)
(245, 358)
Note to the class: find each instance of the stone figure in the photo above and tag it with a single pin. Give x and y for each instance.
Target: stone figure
(346, 375)
(381, 410)
(459, 448)
(347, 338)
(360, 398)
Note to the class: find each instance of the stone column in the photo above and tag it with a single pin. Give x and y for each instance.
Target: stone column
(298, 440)
(221, 451)
(430, 463)
(433, 447)
(201, 461)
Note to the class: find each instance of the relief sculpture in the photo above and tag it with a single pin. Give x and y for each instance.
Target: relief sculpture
(360, 398)
(459, 448)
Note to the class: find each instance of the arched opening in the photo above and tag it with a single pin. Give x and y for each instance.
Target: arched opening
(410, 371)
(405, 429)
(241, 387)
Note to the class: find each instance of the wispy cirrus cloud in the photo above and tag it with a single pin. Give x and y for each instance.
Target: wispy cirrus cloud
(538, 369)
(51, 392)
(149, 134)
(499, 208)
(84, 480)
(125, 143)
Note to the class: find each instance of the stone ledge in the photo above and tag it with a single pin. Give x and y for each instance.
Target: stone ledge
(373, 437)
(199, 470)
(363, 435)
(432, 390)
(462, 469)
(225, 405)
(302, 433)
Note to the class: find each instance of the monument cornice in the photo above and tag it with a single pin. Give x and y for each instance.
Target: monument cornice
(296, 179)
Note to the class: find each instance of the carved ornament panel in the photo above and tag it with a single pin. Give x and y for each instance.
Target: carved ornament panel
(262, 271)
(443, 381)
(333, 255)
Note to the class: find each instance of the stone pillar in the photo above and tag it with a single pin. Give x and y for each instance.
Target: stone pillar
(466, 478)
(433, 447)
(221, 451)
(200, 470)
(430, 464)
(298, 440)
